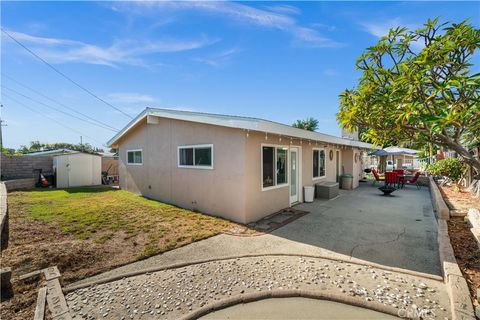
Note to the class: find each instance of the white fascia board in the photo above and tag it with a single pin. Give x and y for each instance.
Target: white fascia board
(244, 123)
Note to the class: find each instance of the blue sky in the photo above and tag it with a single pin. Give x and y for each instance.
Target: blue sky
(280, 61)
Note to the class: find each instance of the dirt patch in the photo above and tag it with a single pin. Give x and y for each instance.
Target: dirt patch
(467, 253)
(459, 200)
(86, 232)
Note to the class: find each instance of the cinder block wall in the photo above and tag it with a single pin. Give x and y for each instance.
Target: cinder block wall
(20, 167)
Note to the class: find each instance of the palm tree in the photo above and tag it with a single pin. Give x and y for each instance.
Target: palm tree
(309, 124)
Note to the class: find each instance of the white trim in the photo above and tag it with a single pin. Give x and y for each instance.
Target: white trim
(134, 163)
(246, 123)
(274, 146)
(325, 158)
(300, 174)
(194, 146)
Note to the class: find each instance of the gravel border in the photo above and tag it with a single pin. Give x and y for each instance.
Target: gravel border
(68, 289)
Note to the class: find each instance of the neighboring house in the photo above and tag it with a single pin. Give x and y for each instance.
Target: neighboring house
(238, 168)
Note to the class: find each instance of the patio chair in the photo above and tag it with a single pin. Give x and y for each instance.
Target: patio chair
(376, 176)
(413, 180)
(399, 171)
(391, 179)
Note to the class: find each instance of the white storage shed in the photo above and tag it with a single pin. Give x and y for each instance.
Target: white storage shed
(77, 170)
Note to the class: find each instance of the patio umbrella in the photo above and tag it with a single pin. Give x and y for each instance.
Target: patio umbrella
(393, 151)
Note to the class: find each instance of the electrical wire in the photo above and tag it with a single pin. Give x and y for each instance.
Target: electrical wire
(56, 109)
(50, 118)
(59, 103)
(65, 76)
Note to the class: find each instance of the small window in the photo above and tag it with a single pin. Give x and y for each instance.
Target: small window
(318, 162)
(200, 156)
(135, 157)
(268, 166)
(274, 166)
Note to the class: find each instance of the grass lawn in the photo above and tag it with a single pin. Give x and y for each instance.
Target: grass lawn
(85, 231)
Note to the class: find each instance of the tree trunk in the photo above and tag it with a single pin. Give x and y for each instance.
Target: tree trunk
(467, 157)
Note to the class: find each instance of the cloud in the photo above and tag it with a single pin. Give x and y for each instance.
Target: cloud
(287, 9)
(221, 58)
(125, 51)
(381, 28)
(276, 17)
(130, 97)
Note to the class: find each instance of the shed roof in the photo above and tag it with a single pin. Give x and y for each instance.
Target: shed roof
(238, 122)
(52, 152)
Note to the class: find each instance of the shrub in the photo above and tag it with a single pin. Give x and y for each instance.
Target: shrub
(451, 168)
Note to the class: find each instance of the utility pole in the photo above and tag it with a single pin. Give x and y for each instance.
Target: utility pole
(1, 125)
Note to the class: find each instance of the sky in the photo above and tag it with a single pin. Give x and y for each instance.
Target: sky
(279, 61)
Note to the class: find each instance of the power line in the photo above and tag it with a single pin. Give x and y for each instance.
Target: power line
(50, 118)
(64, 75)
(56, 109)
(59, 103)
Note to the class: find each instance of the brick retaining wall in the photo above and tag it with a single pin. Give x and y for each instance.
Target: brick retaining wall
(19, 167)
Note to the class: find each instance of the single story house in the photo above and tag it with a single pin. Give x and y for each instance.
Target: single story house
(239, 168)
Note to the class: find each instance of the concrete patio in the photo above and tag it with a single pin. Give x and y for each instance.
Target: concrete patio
(352, 249)
(398, 230)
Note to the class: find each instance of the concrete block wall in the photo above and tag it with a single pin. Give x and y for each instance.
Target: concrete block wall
(20, 184)
(19, 167)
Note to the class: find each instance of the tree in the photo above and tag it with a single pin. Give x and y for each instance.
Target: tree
(36, 146)
(417, 87)
(310, 124)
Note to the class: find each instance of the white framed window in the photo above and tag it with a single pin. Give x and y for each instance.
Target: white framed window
(135, 157)
(318, 163)
(274, 163)
(196, 156)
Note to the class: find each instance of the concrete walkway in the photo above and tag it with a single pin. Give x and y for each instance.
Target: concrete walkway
(295, 308)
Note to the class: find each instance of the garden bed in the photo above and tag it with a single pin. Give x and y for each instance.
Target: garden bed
(459, 201)
(466, 252)
(85, 231)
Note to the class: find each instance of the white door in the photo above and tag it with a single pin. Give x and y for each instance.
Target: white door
(294, 175)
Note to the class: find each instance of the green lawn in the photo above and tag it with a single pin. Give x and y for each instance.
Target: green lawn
(98, 214)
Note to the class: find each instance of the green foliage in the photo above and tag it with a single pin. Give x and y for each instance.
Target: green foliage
(451, 168)
(10, 152)
(310, 124)
(417, 87)
(36, 146)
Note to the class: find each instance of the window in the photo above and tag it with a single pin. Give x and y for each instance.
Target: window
(274, 166)
(318, 163)
(199, 156)
(135, 157)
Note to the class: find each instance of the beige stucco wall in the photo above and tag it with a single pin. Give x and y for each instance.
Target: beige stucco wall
(260, 203)
(351, 166)
(233, 189)
(219, 191)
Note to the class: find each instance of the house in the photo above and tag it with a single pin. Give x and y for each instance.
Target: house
(239, 168)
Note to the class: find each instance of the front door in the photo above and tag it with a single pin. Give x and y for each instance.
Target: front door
(294, 175)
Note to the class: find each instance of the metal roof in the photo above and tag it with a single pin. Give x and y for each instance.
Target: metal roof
(238, 122)
(53, 152)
